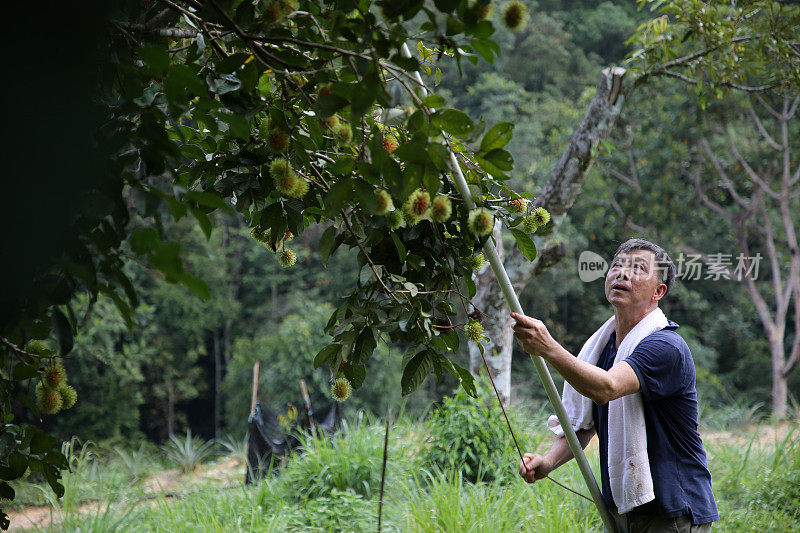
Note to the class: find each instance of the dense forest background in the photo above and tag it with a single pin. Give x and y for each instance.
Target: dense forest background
(188, 362)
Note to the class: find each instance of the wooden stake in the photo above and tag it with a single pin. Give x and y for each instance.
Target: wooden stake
(254, 398)
(307, 401)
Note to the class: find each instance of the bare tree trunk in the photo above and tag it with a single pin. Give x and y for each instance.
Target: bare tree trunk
(557, 196)
(779, 388)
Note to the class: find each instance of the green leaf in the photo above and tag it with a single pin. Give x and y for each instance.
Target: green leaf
(327, 243)
(467, 380)
(203, 220)
(326, 354)
(446, 6)
(209, 200)
(355, 373)
(156, 58)
(364, 346)
(454, 122)
(471, 290)
(433, 100)
(237, 125)
(41, 442)
(63, 331)
(197, 286)
(415, 372)
(24, 371)
(453, 26)
(366, 195)
(401, 250)
(497, 137)
(341, 191)
(500, 159)
(525, 244)
(18, 463)
(6, 491)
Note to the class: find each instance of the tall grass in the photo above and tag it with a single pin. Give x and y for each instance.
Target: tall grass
(332, 486)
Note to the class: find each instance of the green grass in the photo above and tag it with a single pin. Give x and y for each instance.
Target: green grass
(334, 487)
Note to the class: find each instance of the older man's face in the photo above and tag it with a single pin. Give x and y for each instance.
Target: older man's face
(632, 279)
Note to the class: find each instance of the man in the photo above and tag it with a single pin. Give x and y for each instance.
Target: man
(652, 380)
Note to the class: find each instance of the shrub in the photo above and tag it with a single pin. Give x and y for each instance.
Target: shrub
(469, 434)
(187, 453)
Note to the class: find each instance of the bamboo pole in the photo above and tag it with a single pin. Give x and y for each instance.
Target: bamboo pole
(541, 368)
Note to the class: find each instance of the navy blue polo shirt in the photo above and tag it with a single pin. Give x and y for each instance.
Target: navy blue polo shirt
(681, 480)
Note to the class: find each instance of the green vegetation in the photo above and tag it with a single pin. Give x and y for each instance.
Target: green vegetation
(334, 486)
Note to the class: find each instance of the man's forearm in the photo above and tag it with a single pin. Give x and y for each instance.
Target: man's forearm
(560, 452)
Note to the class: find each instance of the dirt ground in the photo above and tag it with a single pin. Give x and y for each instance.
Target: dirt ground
(158, 487)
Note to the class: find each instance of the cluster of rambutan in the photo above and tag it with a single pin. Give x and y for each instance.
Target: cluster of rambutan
(418, 206)
(52, 392)
(342, 131)
(287, 181)
(286, 257)
(538, 218)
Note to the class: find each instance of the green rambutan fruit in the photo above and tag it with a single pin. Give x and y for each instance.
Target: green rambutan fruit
(48, 400)
(384, 202)
(287, 184)
(271, 12)
(299, 189)
(417, 206)
(68, 395)
(442, 208)
(390, 143)
(475, 262)
(530, 224)
(343, 132)
(473, 330)
(286, 257)
(278, 141)
(332, 122)
(541, 216)
(260, 234)
(518, 205)
(480, 221)
(394, 219)
(280, 167)
(54, 375)
(515, 15)
(482, 12)
(39, 346)
(325, 90)
(341, 389)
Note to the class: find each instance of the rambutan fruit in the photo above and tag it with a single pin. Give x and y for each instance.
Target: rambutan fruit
(341, 389)
(300, 188)
(343, 132)
(325, 90)
(417, 206)
(541, 216)
(530, 224)
(48, 400)
(288, 236)
(475, 262)
(473, 330)
(515, 15)
(390, 143)
(384, 202)
(278, 141)
(518, 205)
(68, 396)
(332, 122)
(394, 219)
(442, 208)
(480, 221)
(54, 375)
(286, 257)
(280, 167)
(39, 346)
(482, 11)
(288, 184)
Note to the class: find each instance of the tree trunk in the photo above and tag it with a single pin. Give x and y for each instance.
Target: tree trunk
(557, 196)
(779, 388)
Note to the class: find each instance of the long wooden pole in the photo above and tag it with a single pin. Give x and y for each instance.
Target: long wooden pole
(541, 368)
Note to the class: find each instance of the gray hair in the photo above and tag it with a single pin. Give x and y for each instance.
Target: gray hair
(666, 268)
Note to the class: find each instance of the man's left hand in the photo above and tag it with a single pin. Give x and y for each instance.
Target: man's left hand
(533, 336)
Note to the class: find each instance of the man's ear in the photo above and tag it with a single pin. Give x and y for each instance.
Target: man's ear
(661, 290)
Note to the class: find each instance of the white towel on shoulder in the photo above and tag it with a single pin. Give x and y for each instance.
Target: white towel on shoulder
(628, 463)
